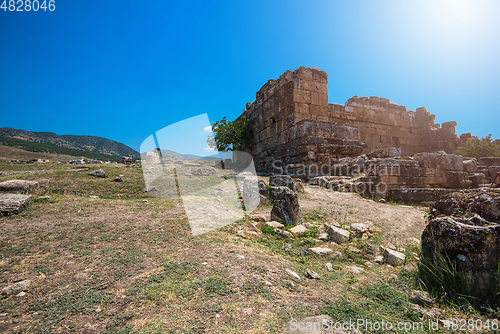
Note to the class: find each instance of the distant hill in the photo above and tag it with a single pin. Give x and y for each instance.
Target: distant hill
(85, 143)
(180, 156)
(35, 147)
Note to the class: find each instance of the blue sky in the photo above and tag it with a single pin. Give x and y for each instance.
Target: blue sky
(125, 69)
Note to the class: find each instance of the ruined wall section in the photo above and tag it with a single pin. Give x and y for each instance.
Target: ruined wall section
(290, 123)
(294, 122)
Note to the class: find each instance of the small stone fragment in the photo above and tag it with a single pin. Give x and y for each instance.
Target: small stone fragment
(16, 287)
(312, 275)
(292, 274)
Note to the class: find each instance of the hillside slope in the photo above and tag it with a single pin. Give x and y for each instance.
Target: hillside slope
(86, 143)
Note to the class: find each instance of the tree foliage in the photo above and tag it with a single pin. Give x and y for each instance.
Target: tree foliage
(231, 136)
(477, 148)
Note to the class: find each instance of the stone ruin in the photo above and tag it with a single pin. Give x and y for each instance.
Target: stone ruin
(294, 124)
(368, 145)
(424, 177)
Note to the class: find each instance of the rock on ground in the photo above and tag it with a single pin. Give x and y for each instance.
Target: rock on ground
(320, 250)
(38, 187)
(394, 258)
(14, 203)
(282, 181)
(16, 287)
(98, 173)
(286, 206)
(338, 235)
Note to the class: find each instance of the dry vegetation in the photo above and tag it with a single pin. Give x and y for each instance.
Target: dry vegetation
(127, 263)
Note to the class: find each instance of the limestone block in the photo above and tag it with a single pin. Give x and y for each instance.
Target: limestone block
(320, 76)
(470, 166)
(338, 235)
(14, 203)
(393, 257)
(25, 187)
(302, 96)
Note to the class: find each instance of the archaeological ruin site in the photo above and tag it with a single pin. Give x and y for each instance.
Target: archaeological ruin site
(297, 132)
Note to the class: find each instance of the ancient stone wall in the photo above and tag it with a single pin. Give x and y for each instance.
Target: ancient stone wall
(294, 123)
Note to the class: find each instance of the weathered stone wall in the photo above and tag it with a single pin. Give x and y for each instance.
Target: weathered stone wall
(294, 122)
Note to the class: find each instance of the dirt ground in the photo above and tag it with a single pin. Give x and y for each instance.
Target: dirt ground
(127, 263)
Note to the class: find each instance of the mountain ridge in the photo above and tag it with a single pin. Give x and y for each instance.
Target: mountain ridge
(86, 143)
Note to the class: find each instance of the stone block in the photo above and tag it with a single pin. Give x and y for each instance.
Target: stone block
(302, 96)
(470, 166)
(14, 203)
(417, 195)
(338, 235)
(38, 187)
(393, 257)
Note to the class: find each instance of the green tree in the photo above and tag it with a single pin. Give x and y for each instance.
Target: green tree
(477, 148)
(231, 136)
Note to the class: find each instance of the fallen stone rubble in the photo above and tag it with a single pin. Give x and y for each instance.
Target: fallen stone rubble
(466, 230)
(424, 177)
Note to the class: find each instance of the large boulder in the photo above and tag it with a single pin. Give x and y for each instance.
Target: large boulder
(466, 231)
(474, 249)
(286, 206)
(14, 203)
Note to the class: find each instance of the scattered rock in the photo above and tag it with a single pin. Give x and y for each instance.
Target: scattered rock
(44, 198)
(14, 203)
(81, 276)
(379, 259)
(150, 189)
(323, 236)
(94, 197)
(21, 294)
(274, 224)
(392, 278)
(382, 201)
(328, 266)
(16, 287)
(413, 241)
(257, 218)
(421, 298)
(283, 233)
(358, 228)
(312, 275)
(98, 173)
(338, 235)
(292, 274)
(119, 178)
(355, 269)
(337, 255)
(394, 258)
(372, 249)
(298, 229)
(354, 250)
(320, 250)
